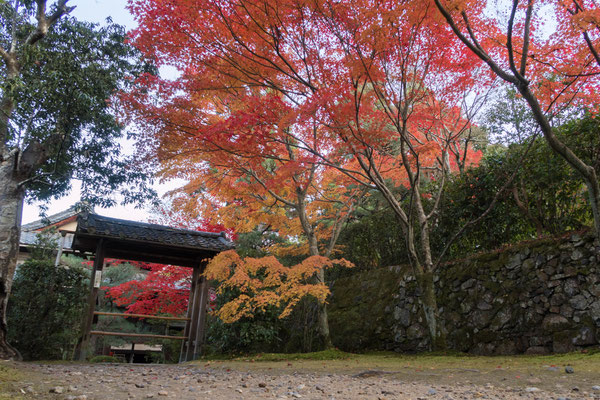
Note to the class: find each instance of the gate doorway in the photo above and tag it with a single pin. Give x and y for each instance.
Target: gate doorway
(106, 237)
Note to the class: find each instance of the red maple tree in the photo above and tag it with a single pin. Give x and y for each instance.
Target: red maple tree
(370, 91)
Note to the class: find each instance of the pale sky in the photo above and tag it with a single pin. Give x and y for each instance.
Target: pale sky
(97, 11)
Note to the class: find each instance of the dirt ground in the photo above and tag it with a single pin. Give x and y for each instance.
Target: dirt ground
(356, 377)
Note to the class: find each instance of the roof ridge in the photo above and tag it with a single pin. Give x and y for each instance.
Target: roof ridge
(155, 226)
(52, 219)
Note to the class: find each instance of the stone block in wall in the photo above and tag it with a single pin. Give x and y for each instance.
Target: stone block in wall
(586, 336)
(566, 311)
(595, 312)
(554, 323)
(483, 349)
(506, 347)
(402, 315)
(540, 341)
(416, 332)
(481, 318)
(562, 342)
(579, 302)
(571, 287)
(537, 350)
(558, 299)
(501, 319)
(576, 254)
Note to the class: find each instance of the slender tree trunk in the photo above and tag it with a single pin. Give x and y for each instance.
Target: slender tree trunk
(322, 317)
(11, 206)
(437, 334)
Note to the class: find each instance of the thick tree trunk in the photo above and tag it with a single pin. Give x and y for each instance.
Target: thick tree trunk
(313, 249)
(11, 205)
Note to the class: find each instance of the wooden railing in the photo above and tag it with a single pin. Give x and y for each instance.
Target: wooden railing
(141, 335)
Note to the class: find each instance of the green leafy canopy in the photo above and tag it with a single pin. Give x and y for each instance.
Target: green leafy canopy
(65, 99)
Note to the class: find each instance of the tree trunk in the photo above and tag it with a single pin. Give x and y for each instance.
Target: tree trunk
(437, 333)
(322, 317)
(423, 274)
(313, 249)
(429, 305)
(11, 206)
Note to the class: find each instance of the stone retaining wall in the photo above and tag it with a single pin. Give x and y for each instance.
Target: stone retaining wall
(537, 297)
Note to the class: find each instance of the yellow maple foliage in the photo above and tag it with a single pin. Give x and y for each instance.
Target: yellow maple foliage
(264, 282)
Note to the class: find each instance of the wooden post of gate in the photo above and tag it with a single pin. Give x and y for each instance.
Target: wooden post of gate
(95, 281)
(199, 339)
(186, 330)
(194, 328)
(193, 301)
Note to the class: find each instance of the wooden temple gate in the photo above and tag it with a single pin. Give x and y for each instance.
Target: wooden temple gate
(127, 240)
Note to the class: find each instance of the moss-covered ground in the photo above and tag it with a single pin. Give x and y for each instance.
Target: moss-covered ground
(10, 382)
(439, 368)
(19, 381)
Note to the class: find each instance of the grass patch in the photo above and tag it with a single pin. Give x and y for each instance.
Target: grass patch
(331, 354)
(9, 379)
(589, 362)
(440, 359)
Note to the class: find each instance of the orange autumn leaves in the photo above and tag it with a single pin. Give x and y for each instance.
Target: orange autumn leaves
(263, 283)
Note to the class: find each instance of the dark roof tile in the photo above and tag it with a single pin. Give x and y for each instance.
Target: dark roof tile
(158, 234)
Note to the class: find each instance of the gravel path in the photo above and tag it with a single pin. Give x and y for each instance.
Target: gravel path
(182, 382)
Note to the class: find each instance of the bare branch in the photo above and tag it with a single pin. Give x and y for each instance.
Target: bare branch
(9, 155)
(5, 55)
(526, 38)
(44, 22)
(473, 46)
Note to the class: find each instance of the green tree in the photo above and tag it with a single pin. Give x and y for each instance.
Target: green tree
(546, 197)
(46, 305)
(374, 237)
(57, 79)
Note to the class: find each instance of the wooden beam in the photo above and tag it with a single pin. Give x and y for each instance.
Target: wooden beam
(193, 307)
(186, 331)
(112, 314)
(158, 257)
(86, 326)
(131, 334)
(199, 339)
